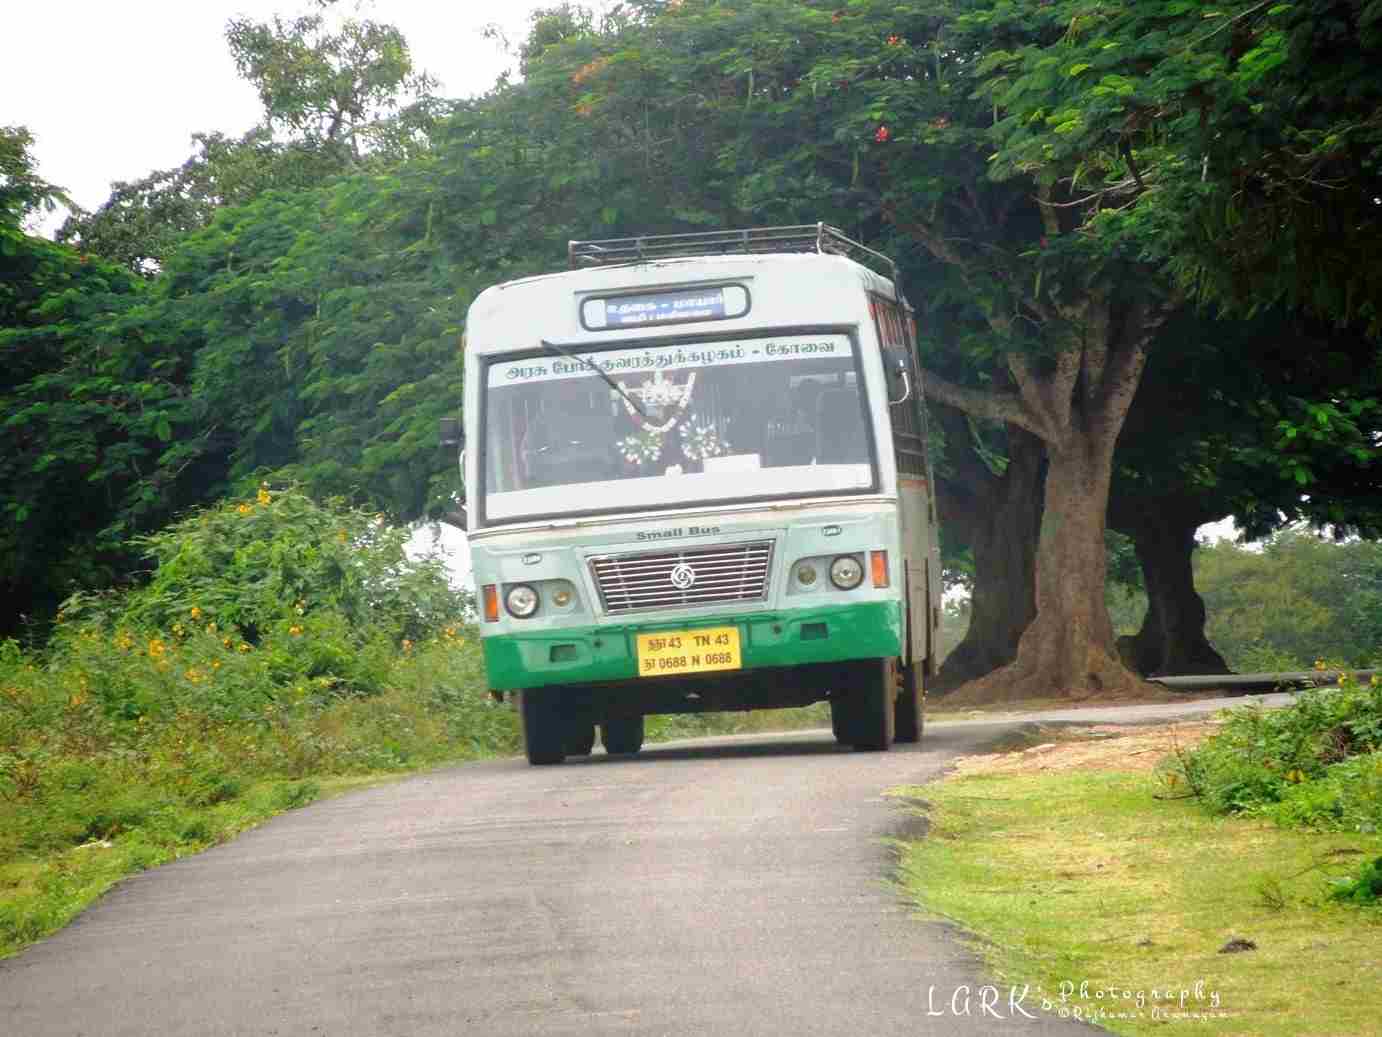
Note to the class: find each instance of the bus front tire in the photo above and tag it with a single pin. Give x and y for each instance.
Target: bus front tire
(544, 730)
(580, 736)
(622, 736)
(909, 717)
(873, 700)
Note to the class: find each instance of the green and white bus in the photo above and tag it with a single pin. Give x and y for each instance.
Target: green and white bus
(698, 480)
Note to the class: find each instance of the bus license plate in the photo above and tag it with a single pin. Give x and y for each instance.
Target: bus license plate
(688, 651)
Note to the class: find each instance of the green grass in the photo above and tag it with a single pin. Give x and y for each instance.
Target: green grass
(92, 791)
(755, 721)
(1085, 876)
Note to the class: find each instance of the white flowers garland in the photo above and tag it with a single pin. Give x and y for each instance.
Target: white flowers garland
(642, 447)
(701, 439)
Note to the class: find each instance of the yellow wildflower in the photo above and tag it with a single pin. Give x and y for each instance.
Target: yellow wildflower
(215, 664)
(243, 509)
(244, 647)
(156, 648)
(295, 630)
(196, 612)
(407, 645)
(263, 495)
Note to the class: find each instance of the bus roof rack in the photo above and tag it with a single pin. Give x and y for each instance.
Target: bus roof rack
(807, 237)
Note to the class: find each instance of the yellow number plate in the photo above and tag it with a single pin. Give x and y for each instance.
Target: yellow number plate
(688, 651)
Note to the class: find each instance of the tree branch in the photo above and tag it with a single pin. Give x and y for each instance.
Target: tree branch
(979, 403)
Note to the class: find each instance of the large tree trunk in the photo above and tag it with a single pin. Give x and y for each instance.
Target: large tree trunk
(1068, 650)
(999, 519)
(1077, 406)
(1172, 639)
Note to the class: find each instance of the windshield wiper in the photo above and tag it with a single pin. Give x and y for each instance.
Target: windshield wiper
(603, 374)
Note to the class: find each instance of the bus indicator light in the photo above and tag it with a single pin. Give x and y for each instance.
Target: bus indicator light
(878, 560)
(491, 595)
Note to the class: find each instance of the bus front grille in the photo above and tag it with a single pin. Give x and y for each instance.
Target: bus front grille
(675, 579)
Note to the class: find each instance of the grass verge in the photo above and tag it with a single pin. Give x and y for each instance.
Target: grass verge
(1080, 879)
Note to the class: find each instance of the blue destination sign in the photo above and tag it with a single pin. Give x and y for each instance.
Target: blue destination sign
(670, 307)
(706, 304)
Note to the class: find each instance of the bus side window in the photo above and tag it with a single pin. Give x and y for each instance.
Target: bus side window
(909, 434)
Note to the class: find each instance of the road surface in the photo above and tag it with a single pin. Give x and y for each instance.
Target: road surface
(720, 887)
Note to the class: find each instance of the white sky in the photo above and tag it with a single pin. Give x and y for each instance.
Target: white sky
(113, 89)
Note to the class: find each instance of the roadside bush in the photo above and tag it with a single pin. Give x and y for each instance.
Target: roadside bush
(1315, 764)
(246, 567)
(1364, 888)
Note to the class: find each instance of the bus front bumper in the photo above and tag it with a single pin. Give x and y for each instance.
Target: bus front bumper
(779, 638)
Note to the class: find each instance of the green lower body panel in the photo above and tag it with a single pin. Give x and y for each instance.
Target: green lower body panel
(605, 653)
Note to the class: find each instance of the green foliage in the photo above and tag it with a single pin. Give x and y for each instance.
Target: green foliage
(335, 84)
(99, 437)
(281, 558)
(329, 325)
(22, 191)
(1299, 599)
(1237, 141)
(264, 657)
(143, 221)
(1317, 763)
(1364, 888)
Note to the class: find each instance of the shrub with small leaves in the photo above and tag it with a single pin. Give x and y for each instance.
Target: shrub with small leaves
(1316, 764)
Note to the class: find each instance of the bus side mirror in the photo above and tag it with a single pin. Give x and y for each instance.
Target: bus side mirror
(897, 368)
(450, 433)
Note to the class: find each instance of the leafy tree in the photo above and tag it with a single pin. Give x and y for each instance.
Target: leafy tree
(891, 120)
(1274, 420)
(340, 86)
(328, 329)
(143, 221)
(22, 191)
(1241, 142)
(1299, 599)
(336, 98)
(95, 442)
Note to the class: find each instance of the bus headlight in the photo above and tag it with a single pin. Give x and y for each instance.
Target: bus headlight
(522, 601)
(846, 573)
(806, 574)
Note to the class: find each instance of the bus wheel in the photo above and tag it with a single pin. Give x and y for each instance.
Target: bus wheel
(840, 719)
(873, 699)
(580, 736)
(908, 717)
(622, 735)
(543, 730)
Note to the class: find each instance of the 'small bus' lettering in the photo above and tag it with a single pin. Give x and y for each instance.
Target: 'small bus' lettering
(680, 531)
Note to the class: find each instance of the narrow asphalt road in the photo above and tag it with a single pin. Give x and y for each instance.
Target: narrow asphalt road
(723, 887)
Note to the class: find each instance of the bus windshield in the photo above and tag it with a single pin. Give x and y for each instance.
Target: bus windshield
(689, 423)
